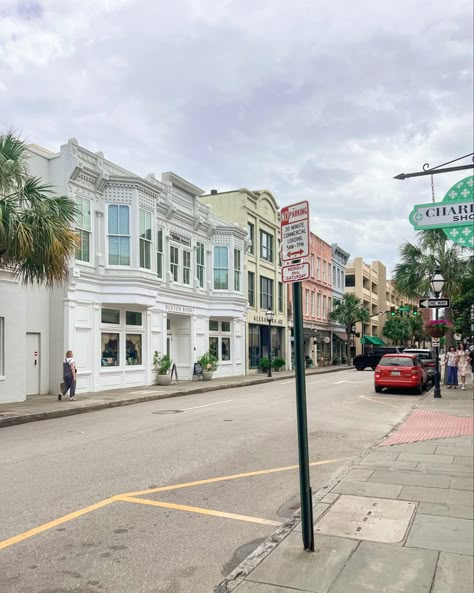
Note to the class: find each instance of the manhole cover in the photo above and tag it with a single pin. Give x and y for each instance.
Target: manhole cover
(372, 519)
(168, 412)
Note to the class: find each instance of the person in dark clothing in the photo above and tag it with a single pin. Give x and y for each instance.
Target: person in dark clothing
(69, 377)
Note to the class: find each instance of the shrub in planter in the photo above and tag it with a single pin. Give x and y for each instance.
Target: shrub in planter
(264, 364)
(162, 363)
(278, 363)
(209, 361)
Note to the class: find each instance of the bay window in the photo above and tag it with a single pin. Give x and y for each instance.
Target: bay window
(159, 254)
(200, 264)
(119, 235)
(174, 262)
(237, 269)
(83, 229)
(186, 267)
(221, 268)
(145, 238)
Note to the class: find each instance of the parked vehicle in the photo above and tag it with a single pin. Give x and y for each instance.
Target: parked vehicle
(371, 357)
(427, 358)
(401, 371)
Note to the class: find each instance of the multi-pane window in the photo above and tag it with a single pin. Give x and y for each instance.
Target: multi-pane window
(318, 269)
(174, 263)
(251, 289)
(110, 316)
(186, 267)
(219, 339)
(329, 273)
(306, 302)
(266, 246)
(133, 349)
(324, 306)
(312, 303)
(119, 235)
(118, 347)
(221, 268)
(312, 266)
(251, 234)
(145, 238)
(280, 297)
(334, 271)
(237, 269)
(319, 305)
(266, 293)
(83, 229)
(159, 253)
(133, 318)
(329, 305)
(324, 271)
(200, 263)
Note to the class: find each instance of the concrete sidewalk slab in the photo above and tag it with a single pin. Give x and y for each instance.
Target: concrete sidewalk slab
(446, 534)
(454, 574)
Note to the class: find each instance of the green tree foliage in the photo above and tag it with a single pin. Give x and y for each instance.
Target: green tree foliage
(37, 237)
(398, 329)
(347, 312)
(419, 261)
(463, 306)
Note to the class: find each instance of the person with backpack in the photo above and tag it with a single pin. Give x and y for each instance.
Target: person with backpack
(69, 377)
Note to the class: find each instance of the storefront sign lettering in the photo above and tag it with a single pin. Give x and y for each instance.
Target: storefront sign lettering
(179, 309)
(263, 319)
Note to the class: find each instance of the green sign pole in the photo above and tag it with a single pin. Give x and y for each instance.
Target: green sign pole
(305, 485)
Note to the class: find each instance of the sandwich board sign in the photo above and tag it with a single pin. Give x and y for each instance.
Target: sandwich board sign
(294, 231)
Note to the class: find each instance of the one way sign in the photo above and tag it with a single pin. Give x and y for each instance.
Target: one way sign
(427, 303)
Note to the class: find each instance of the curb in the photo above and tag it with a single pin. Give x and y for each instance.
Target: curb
(72, 411)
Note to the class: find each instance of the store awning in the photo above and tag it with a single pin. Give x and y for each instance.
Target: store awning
(373, 340)
(341, 336)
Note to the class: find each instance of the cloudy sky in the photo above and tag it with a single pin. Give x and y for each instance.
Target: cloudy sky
(311, 99)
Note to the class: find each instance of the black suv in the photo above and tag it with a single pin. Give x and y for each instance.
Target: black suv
(372, 357)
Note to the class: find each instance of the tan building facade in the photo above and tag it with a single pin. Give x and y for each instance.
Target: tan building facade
(258, 213)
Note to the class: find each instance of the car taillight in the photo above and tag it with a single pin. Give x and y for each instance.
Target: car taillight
(414, 370)
(377, 369)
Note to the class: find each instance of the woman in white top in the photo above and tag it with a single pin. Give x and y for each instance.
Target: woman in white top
(464, 363)
(451, 360)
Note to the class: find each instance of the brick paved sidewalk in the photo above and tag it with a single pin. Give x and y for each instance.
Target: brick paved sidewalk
(401, 520)
(42, 407)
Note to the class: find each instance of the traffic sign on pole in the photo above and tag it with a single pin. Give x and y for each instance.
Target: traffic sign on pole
(295, 231)
(427, 303)
(295, 272)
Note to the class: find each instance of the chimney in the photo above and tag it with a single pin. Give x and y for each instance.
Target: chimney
(213, 192)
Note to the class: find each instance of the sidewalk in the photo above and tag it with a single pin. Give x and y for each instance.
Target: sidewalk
(43, 407)
(400, 520)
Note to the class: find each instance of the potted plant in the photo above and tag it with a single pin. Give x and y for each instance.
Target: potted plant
(209, 364)
(162, 363)
(278, 363)
(263, 364)
(436, 328)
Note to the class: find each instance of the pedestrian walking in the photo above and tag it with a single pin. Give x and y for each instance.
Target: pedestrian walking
(464, 363)
(69, 377)
(451, 361)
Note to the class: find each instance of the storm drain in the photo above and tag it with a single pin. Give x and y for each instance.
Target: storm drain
(371, 519)
(169, 412)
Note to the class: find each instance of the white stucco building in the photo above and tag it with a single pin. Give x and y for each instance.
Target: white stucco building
(155, 270)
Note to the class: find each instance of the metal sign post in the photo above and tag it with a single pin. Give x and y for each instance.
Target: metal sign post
(303, 452)
(294, 246)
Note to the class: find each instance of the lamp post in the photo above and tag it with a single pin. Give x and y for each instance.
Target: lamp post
(269, 315)
(436, 284)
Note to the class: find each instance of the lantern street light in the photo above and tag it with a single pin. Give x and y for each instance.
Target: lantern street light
(436, 285)
(270, 316)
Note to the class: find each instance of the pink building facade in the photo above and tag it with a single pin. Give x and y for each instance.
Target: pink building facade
(317, 295)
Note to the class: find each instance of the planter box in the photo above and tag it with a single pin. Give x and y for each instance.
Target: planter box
(164, 379)
(207, 375)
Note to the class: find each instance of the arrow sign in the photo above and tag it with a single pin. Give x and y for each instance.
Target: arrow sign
(294, 228)
(427, 303)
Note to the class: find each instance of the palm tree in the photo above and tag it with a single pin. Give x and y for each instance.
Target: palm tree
(418, 262)
(347, 312)
(37, 237)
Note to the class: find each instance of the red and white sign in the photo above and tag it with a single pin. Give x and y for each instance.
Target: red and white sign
(295, 272)
(295, 231)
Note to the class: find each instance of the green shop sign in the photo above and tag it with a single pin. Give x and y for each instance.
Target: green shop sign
(455, 214)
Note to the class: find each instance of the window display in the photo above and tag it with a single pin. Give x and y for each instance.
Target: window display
(110, 356)
(133, 352)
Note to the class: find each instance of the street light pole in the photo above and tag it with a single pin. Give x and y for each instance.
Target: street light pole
(269, 315)
(436, 284)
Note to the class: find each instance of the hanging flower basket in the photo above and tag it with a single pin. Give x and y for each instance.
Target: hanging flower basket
(437, 327)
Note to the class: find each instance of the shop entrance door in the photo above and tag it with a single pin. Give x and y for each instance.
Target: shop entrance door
(32, 363)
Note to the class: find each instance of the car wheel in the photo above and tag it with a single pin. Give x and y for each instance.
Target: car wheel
(378, 389)
(359, 368)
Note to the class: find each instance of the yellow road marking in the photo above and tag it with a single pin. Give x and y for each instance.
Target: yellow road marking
(36, 530)
(199, 510)
(260, 472)
(376, 401)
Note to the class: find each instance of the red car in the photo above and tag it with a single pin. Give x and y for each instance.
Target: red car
(400, 370)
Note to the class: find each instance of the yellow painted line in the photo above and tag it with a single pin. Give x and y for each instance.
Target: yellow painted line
(376, 401)
(36, 530)
(199, 510)
(261, 472)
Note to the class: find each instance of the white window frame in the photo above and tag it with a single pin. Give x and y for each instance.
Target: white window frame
(122, 330)
(215, 268)
(270, 284)
(80, 227)
(324, 271)
(174, 265)
(251, 235)
(160, 255)
(145, 243)
(318, 269)
(324, 306)
(312, 266)
(313, 299)
(186, 257)
(221, 335)
(266, 246)
(237, 270)
(119, 235)
(200, 263)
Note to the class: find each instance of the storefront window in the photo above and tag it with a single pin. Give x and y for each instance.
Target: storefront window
(214, 346)
(213, 325)
(133, 318)
(110, 316)
(110, 356)
(219, 340)
(225, 326)
(225, 348)
(133, 353)
(254, 345)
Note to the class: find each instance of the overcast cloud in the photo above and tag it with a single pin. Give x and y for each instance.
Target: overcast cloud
(311, 99)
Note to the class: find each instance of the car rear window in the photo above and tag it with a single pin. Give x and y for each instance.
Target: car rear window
(395, 361)
(421, 355)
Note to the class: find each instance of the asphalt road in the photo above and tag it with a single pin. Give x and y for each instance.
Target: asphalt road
(60, 531)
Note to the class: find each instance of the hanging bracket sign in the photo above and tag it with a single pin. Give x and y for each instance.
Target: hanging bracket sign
(295, 231)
